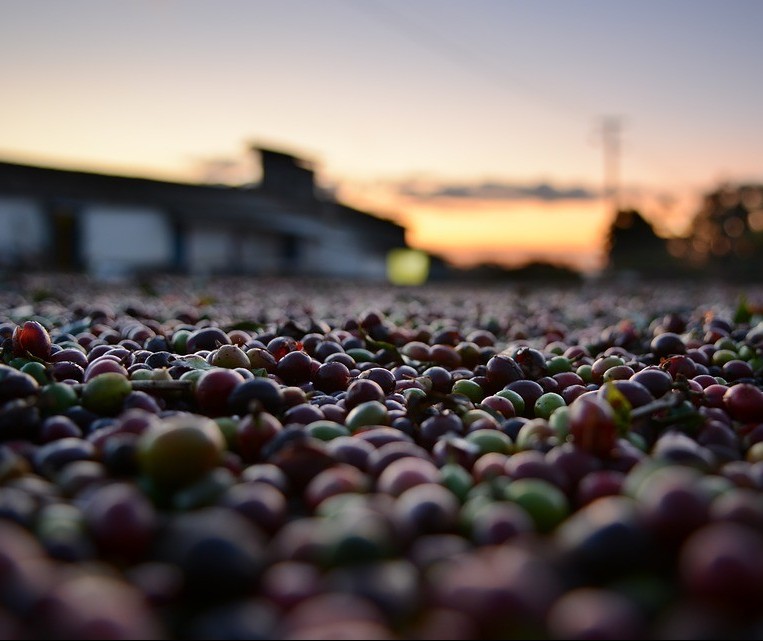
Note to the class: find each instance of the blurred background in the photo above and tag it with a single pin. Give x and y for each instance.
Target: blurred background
(383, 138)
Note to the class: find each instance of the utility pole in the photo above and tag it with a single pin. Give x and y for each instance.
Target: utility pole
(611, 127)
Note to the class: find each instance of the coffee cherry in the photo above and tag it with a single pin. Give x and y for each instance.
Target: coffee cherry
(180, 450)
(33, 339)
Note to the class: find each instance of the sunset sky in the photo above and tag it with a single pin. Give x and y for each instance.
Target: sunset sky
(477, 124)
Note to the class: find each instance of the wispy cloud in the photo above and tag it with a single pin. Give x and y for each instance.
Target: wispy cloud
(492, 190)
(222, 170)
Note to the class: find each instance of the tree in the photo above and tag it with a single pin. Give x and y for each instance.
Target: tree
(726, 234)
(633, 247)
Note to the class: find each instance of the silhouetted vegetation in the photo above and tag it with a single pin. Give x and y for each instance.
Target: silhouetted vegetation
(533, 272)
(726, 236)
(634, 247)
(724, 241)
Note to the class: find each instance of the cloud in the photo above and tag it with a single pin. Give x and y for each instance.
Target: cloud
(221, 170)
(496, 191)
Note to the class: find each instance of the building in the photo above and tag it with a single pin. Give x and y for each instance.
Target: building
(108, 225)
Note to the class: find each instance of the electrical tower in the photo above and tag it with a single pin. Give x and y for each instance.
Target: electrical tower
(611, 127)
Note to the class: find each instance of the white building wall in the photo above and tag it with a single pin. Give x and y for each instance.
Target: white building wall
(117, 240)
(343, 254)
(209, 250)
(23, 232)
(260, 253)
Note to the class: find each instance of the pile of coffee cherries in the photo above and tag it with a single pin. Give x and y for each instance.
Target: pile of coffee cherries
(266, 459)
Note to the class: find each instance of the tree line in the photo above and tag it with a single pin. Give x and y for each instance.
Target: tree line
(724, 241)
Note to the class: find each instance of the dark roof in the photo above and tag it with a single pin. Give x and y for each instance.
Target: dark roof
(368, 224)
(247, 206)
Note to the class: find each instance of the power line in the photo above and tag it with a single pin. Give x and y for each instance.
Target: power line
(610, 137)
(436, 42)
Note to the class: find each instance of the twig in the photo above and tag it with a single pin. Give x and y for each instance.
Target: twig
(666, 402)
(150, 386)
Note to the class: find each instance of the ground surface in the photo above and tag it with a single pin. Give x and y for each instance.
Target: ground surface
(233, 458)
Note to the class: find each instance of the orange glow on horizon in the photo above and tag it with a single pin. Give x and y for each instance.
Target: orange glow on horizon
(467, 232)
